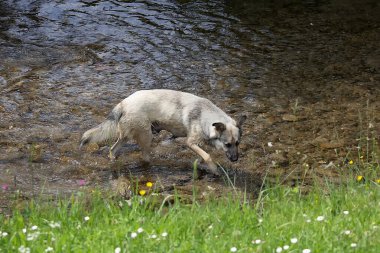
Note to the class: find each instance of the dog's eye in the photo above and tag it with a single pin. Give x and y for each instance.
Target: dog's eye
(228, 145)
(237, 143)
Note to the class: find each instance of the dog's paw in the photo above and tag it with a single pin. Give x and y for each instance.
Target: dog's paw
(213, 168)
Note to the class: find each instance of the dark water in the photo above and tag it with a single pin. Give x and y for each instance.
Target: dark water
(305, 72)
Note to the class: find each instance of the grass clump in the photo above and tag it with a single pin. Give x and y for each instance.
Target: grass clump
(340, 219)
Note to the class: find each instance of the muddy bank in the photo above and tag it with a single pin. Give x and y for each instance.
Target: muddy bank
(306, 74)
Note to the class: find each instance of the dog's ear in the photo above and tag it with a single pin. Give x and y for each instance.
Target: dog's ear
(241, 120)
(219, 126)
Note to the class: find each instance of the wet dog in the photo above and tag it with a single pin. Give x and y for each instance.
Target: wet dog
(182, 114)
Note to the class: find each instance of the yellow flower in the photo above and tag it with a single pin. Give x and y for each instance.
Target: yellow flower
(378, 180)
(142, 192)
(351, 162)
(149, 184)
(359, 178)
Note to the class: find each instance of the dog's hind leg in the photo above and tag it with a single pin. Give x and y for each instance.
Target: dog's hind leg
(115, 147)
(144, 140)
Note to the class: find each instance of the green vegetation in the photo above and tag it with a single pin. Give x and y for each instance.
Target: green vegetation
(343, 218)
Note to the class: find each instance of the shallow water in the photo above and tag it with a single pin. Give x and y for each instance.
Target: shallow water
(305, 72)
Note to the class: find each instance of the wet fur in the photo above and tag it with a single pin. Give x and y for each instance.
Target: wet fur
(184, 115)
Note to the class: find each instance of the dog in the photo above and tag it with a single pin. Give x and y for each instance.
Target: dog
(183, 114)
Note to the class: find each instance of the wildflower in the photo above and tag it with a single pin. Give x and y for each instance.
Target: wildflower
(140, 230)
(164, 234)
(4, 234)
(270, 144)
(32, 236)
(86, 218)
(53, 224)
(353, 245)
(23, 249)
(294, 240)
(153, 236)
(306, 251)
(133, 235)
(142, 192)
(34, 227)
(346, 212)
(81, 182)
(278, 250)
(347, 232)
(378, 180)
(285, 247)
(24, 230)
(359, 178)
(308, 220)
(257, 241)
(117, 250)
(351, 162)
(49, 249)
(233, 249)
(149, 184)
(320, 218)
(5, 187)
(260, 220)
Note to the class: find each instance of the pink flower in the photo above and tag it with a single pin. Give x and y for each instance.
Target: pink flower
(5, 187)
(81, 182)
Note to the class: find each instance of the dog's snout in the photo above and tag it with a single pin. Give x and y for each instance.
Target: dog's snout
(232, 157)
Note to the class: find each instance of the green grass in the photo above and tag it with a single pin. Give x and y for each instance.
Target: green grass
(281, 213)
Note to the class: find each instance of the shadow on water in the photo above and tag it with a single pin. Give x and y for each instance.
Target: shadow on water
(305, 72)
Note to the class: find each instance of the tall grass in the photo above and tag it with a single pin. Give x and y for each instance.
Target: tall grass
(342, 218)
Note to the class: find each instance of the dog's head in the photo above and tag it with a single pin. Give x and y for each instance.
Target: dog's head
(226, 136)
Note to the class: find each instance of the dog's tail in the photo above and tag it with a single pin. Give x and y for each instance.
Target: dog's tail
(106, 131)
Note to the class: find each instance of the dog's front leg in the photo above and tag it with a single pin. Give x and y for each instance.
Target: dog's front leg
(205, 156)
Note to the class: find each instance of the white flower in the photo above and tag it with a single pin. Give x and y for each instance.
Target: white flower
(294, 240)
(133, 235)
(270, 144)
(257, 241)
(233, 249)
(53, 224)
(49, 249)
(4, 234)
(24, 230)
(140, 230)
(32, 236)
(260, 220)
(153, 236)
(346, 212)
(320, 218)
(353, 245)
(279, 249)
(306, 251)
(86, 218)
(34, 227)
(285, 247)
(347, 232)
(23, 249)
(117, 250)
(164, 234)
(308, 220)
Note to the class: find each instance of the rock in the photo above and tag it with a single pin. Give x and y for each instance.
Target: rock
(289, 117)
(332, 144)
